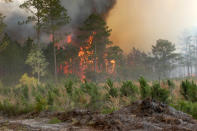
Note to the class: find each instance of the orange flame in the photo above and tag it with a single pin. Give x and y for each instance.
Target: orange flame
(69, 39)
(85, 55)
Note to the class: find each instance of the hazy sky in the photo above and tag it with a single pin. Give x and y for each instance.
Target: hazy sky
(140, 23)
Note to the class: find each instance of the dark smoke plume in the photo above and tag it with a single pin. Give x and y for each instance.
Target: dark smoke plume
(78, 10)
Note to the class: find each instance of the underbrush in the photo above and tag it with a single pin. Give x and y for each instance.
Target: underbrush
(187, 107)
(105, 98)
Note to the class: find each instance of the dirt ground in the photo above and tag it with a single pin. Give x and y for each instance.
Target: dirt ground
(144, 115)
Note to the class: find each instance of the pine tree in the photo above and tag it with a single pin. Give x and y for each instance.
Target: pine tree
(56, 17)
(36, 9)
(95, 27)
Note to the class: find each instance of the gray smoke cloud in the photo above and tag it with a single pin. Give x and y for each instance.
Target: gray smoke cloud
(78, 10)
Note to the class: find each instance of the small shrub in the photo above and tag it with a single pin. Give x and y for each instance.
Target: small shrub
(111, 89)
(110, 83)
(25, 91)
(93, 91)
(159, 94)
(9, 109)
(128, 89)
(56, 91)
(108, 110)
(171, 84)
(41, 104)
(54, 120)
(189, 90)
(77, 92)
(187, 107)
(40, 90)
(113, 92)
(50, 98)
(69, 87)
(27, 80)
(145, 89)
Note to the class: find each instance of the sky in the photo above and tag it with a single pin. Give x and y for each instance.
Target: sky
(140, 23)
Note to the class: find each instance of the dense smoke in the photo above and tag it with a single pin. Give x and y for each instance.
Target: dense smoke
(78, 10)
(140, 23)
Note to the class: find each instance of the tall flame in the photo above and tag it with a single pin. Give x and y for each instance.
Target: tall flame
(85, 54)
(69, 39)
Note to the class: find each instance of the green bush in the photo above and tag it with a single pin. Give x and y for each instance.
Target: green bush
(189, 90)
(128, 89)
(69, 87)
(50, 98)
(187, 107)
(110, 83)
(171, 84)
(159, 94)
(108, 110)
(25, 91)
(93, 91)
(113, 92)
(77, 92)
(10, 109)
(90, 88)
(54, 120)
(41, 90)
(111, 89)
(7, 108)
(41, 104)
(145, 89)
(56, 91)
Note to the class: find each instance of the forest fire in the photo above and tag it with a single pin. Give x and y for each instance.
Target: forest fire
(87, 58)
(69, 39)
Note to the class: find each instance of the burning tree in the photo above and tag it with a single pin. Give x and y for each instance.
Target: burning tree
(114, 56)
(94, 36)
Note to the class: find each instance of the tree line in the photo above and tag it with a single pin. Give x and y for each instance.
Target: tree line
(44, 60)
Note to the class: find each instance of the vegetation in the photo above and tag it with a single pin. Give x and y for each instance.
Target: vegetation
(37, 61)
(189, 90)
(68, 95)
(145, 89)
(128, 89)
(159, 94)
(54, 121)
(61, 73)
(164, 56)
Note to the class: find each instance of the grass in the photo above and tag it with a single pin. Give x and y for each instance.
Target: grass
(54, 120)
(105, 97)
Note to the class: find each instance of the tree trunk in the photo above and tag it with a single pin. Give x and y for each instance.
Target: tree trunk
(38, 78)
(95, 63)
(38, 32)
(55, 57)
